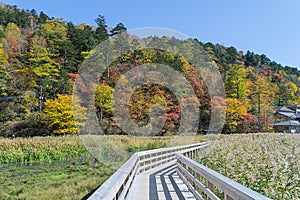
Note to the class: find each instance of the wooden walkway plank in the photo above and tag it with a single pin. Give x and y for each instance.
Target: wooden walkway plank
(159, 183)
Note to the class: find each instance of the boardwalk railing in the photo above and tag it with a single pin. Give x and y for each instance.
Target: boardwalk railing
(203, 182)
(118, 185)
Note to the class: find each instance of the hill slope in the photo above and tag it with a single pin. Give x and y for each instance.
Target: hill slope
(39, 55)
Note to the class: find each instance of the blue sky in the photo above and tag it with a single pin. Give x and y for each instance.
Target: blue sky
(270, 27)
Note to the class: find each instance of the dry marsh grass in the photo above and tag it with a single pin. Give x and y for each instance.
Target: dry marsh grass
(266, 163)
(116, 149)
(27, 150)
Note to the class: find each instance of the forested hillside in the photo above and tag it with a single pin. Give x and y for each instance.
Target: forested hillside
(40, 56)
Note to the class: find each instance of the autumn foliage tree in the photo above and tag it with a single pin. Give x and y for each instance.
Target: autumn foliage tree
(104, 99)
(3, 73)
(59, 113)
(236, 113)
(236, 83)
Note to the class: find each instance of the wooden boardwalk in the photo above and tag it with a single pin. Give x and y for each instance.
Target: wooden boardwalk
(170, 173)
(159, 183)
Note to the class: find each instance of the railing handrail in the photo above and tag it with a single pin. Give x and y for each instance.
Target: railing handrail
(111, 187)
(176, 148)
(116, 187)
(231, 189)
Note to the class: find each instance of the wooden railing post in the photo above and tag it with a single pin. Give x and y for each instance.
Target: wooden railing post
(198, 189)
(227, 197)
(210, 186)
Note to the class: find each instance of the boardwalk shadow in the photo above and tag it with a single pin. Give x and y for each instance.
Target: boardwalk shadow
(162, 175)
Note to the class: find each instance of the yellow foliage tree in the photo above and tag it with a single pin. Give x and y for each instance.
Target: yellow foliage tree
(236, 84)
(41, 61)
(3, 56)
(292, 92)
(104, 99)
(3, 72)
(54, 32)
(60, 115)
(236, 112)
(261, 96)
